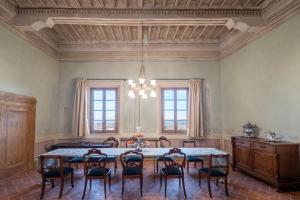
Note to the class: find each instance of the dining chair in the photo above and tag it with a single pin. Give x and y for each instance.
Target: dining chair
(78, 160)
(192, 159)
(95, 168)
(173, 167)
(51, 168)
(132, 169)
(162, 142)
(112, 159)
(218, 168)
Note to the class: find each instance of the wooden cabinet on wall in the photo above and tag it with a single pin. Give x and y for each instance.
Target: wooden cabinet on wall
(276, 163)
(17, 132)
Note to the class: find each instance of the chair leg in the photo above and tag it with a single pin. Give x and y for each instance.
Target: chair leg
(226, 188)
(52, 183)
(217, 181)
(90, 184)
(123, 185)
(188, 167)
(85, 184)
(61, 187)
(109, 180)
(141, 185)
(199, 179)
(43, 189)
(183, 185)
(179, 181)
(160, 180)
(116, 165)
(209, 188)
(165, 186)
(157, 166)
(76, 165)
(154, 169)
(72, 179)
(105, 186)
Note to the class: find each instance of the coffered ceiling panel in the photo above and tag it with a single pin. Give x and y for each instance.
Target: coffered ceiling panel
(168, 29)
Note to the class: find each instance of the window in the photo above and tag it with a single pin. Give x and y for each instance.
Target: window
(174, 110)
(104, 110)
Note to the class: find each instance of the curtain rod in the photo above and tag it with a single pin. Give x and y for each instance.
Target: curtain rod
(158, 79)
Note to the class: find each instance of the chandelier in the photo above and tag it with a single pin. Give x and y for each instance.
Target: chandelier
(143, 87)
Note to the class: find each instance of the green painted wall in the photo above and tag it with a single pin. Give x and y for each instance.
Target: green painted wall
(261, 83)
(129, 70)
(26, 70)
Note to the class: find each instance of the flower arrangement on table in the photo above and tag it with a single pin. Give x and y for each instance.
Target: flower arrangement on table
(137, 141)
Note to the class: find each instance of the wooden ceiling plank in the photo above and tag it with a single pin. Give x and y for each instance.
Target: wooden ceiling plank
(167, 33)
(129, 33)
(188, 3)
(77, 2)
(139, 3)
(96, 32)
(85, 32)
(200, 3)
(149, 32)
(219, 33)
(246, 4)
(201, 32)
(184, 32)
(76, 33)
(176, 3)
(67, 32)
(153, 3)
(140, 33)
(223, 3)
(121, 33)
(164, 3)
(112, 33)
(157, 33)
(103, 32)
(235, 3)
(176, 32)
(193, 32)
(210, 32)
(65, 37)
(211, 3)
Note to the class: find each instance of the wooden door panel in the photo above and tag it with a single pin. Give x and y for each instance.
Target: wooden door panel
(17, 129)
(263, 163)
(243, 157)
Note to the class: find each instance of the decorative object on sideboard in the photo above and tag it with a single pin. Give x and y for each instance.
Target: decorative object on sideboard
(271, 137)
(138, 140)
(249, 130)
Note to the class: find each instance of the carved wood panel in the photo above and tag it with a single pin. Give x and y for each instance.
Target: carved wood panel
(17, 119)
(243, 157)
(263, 163)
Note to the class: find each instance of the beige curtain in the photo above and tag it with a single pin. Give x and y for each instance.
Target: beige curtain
(80, 112)
(197, 108)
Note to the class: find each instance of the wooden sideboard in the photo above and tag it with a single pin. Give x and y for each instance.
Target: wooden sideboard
(276, 163)
(17, 131)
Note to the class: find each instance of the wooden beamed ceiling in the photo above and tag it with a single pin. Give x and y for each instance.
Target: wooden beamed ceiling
(142, 4)
(115, 29)
(71, 33)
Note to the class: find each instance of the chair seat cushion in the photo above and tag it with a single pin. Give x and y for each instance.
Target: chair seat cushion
(214, 171)
(171, 171)
(97, 172)
(132, 171)
(55, 172)
(133, 158)
(161, 158)
(194, 159)
(76, 160)
(111, 158)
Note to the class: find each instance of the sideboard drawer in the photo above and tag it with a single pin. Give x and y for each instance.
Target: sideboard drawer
(264, 147)
(242, 143)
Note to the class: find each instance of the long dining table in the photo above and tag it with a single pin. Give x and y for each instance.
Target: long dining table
(147, 152)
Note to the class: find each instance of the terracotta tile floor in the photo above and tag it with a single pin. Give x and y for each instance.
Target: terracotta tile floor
(243, 187)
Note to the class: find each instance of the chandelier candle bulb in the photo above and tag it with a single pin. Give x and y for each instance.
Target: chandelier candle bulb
(153, 83)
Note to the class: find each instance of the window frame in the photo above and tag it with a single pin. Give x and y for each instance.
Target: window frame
(117, 110)
(162, 100)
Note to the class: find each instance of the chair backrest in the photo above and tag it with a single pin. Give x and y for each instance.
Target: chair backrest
(112, 140)
(163, 141)
(94, 158)
(191, 142)
(178, 158)
(135, 163)
(219, 162)
(51, 162)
